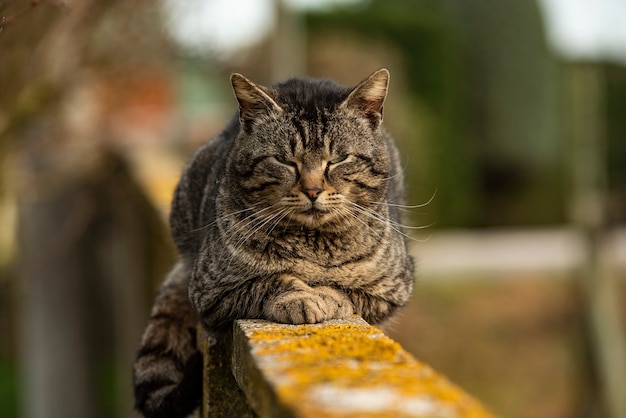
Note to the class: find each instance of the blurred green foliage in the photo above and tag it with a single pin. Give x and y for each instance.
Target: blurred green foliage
(490, 86)
(616, 135)
(8, 388)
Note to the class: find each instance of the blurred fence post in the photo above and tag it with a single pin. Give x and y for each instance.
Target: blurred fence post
(589, 174)
(57, 381)
(288, 44)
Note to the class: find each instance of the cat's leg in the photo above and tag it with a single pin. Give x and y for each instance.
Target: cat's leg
(379, 300)
(281, 298)
(303, 304)
(374, 309)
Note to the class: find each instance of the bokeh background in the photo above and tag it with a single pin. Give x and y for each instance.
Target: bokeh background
(511, 119)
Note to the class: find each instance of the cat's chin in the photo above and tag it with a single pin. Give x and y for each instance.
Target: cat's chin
(313, 218)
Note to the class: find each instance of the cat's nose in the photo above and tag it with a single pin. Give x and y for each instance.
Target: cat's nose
(312, 192)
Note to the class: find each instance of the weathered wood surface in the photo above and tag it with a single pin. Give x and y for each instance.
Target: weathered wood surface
(340, 368)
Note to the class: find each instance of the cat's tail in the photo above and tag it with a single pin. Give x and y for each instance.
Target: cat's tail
(167, 375)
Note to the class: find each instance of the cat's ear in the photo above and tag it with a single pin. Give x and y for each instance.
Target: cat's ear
(369, 95)
(253, 100)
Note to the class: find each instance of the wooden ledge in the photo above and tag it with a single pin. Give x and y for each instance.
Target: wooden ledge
(341, 368)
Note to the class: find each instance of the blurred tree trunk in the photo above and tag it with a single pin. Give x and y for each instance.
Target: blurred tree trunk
(90, 243)
(57, 379)
(600, 291)
(89, 252)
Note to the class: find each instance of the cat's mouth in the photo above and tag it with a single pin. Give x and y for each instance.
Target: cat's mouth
(313, 217)
(315, 212)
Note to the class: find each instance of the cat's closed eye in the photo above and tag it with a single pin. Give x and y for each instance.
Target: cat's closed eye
(339, 159)
(286, 162)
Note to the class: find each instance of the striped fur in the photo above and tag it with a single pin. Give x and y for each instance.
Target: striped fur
(289, 215)
(168, 368)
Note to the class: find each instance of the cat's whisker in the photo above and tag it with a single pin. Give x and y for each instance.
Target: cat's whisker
(396, 205)
(399, 173)
(394, 223)
(242, 223)
(256, 227)
(400, 208)
(348, 214)
(248, 229)
(288, 213)
(397, 227)
(220, 218)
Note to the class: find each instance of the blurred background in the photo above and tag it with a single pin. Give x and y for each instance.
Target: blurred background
(510, 116)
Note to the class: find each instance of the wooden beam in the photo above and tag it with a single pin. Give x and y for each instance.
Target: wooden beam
(338, 368)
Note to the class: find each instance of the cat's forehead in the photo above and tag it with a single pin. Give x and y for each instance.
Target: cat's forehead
(308, 96)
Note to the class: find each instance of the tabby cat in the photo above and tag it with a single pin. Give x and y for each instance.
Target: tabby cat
(291, 214)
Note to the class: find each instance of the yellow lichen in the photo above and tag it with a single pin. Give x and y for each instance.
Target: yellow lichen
(348, 356)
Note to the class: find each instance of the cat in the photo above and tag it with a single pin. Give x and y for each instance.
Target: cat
(291, 214)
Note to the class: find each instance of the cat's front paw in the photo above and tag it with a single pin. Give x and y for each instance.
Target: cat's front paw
(308, 307)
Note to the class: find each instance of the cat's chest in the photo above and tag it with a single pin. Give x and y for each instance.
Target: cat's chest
(317, 258)
(318, 248)
(313, 256)
(349, 273)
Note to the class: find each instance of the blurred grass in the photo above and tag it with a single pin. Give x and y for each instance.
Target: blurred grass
(516, 343)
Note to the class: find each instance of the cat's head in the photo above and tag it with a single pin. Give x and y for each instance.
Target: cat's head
(311, 152)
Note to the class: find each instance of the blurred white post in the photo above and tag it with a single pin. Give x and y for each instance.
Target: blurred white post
(288, 44)
(589, 174)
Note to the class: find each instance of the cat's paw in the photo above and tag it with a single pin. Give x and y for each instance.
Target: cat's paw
(309, 307)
